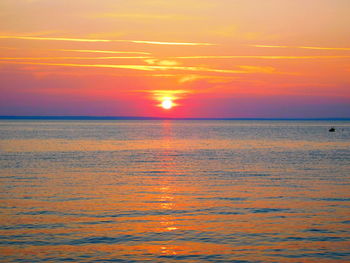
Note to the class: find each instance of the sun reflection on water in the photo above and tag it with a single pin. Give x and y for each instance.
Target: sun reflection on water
(168, 189)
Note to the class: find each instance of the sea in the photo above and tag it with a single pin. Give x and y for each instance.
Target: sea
(174, 191)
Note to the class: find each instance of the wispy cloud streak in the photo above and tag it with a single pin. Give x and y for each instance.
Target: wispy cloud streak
(104, 51)
(261, 57)
(56, 39)
(107, 40)
(143, 16)
(302, 47)
(326, 48)
(170, 43)
(135, 67)
(54, 58)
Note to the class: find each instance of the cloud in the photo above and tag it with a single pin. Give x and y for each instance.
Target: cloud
(154, 61)
(103, 51)
(268, 46)
(302, 47)
(163, 92)
(56, 39)
(189, 78)
(135, 67)
(107, 40)
(173, 95)
(83, 58)
(325, 48)
(142, 16)
(233, 31)
(256, 69)
(169, 43)
(166, 95)
(210, 79)
(261, 57)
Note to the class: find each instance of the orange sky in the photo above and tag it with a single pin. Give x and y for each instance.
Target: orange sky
(212, 58)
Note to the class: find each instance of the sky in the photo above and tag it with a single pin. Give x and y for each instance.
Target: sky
(199, 58)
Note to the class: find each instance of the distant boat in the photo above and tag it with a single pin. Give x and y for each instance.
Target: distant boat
(331, 129)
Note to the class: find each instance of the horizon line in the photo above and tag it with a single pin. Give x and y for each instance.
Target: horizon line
(90, 117)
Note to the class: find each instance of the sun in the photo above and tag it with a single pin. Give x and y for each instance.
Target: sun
(168, 99)
(167, 104)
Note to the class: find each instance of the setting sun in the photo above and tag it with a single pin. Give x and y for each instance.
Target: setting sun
(168, 99)
(167, 104)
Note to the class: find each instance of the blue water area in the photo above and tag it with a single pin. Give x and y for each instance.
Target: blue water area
(174, 190)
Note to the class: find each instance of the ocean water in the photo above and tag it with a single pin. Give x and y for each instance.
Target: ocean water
(174, 191)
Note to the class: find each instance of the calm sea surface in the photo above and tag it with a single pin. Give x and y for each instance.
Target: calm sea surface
(174, 191)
